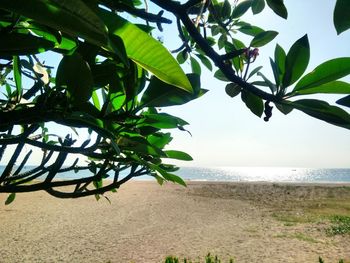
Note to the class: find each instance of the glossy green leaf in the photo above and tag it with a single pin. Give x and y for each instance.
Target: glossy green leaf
(160, 94)
(226, 10)
(344, 101)
(146, 51)
(280, 61)
(159, 139)
(161, 121)
(174, 178)
(341, 17)
(220, 76)
(72, 17)
(205, 61)
(23, 44)
(232, 89)
(10, 198)
(254, 71)
(178, 155)
(333, 87)
(222, 41)
(96, 100)
(182, 56)
(74, 74)
(250, 30)
(275, 71)
(167, 176)
(323, 111)
(284, 107)
(17, 75)
(138, 145)
(278, 7)
(326, 72)
(258, 6)
(263, 38)
(253, 102)
(196, 68)
(61, 40)
(296, 61)
(241, 9)
(117, 45)
(268, 83)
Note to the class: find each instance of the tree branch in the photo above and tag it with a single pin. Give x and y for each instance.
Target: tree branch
(178, 10)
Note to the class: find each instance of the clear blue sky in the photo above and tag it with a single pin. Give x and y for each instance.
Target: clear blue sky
(224, 131)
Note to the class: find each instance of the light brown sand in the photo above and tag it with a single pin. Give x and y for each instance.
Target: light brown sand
(146, 222)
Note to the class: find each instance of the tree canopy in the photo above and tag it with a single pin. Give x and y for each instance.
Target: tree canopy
(114, 79)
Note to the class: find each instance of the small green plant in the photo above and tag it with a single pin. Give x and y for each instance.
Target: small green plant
(341, 225)
(208, 259)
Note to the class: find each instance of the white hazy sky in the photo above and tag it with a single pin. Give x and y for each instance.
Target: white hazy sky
(226, 133)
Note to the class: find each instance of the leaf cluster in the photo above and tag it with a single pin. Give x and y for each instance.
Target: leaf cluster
(114, 79)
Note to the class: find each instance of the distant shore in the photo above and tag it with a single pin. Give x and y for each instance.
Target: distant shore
(249, 221)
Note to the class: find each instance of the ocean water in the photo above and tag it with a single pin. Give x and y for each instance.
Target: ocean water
(247, 174)
(266, 174)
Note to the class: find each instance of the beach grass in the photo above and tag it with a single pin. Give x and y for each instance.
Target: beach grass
(330, 210)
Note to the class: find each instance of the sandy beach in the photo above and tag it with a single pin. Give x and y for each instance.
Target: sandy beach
(145, 222)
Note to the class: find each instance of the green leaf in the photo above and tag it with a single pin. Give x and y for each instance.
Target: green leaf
(280, 61)
(159, 139)
(206, 62)
(226, 10)
(296, 61)
(278, 7)
(232, 89)
(18, 75)
(333, 87)
(254, 71)
(23, 44)
(253, 102)
(182, 56)
(174, 178)
(138, 145)
(160, 94)
(268, 83)
(161, 121)
(344, 101)
(146, 51)
(258, 6)
(96, 100)
(341, 16)
(10, 198)
(74, 74)
(117, 45)
(167, 176)
(241, 9)
(220, 76)
(72, 17)
(323, 111)
(196, 68)
(275, 71)
(284, 107)
(326, 72)
(178, 155)
(250, 30)
(222, 41)
(263, 38)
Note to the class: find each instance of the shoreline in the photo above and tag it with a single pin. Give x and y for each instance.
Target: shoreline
(145, 222)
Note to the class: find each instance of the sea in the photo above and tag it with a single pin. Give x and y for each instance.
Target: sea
(245, 174)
